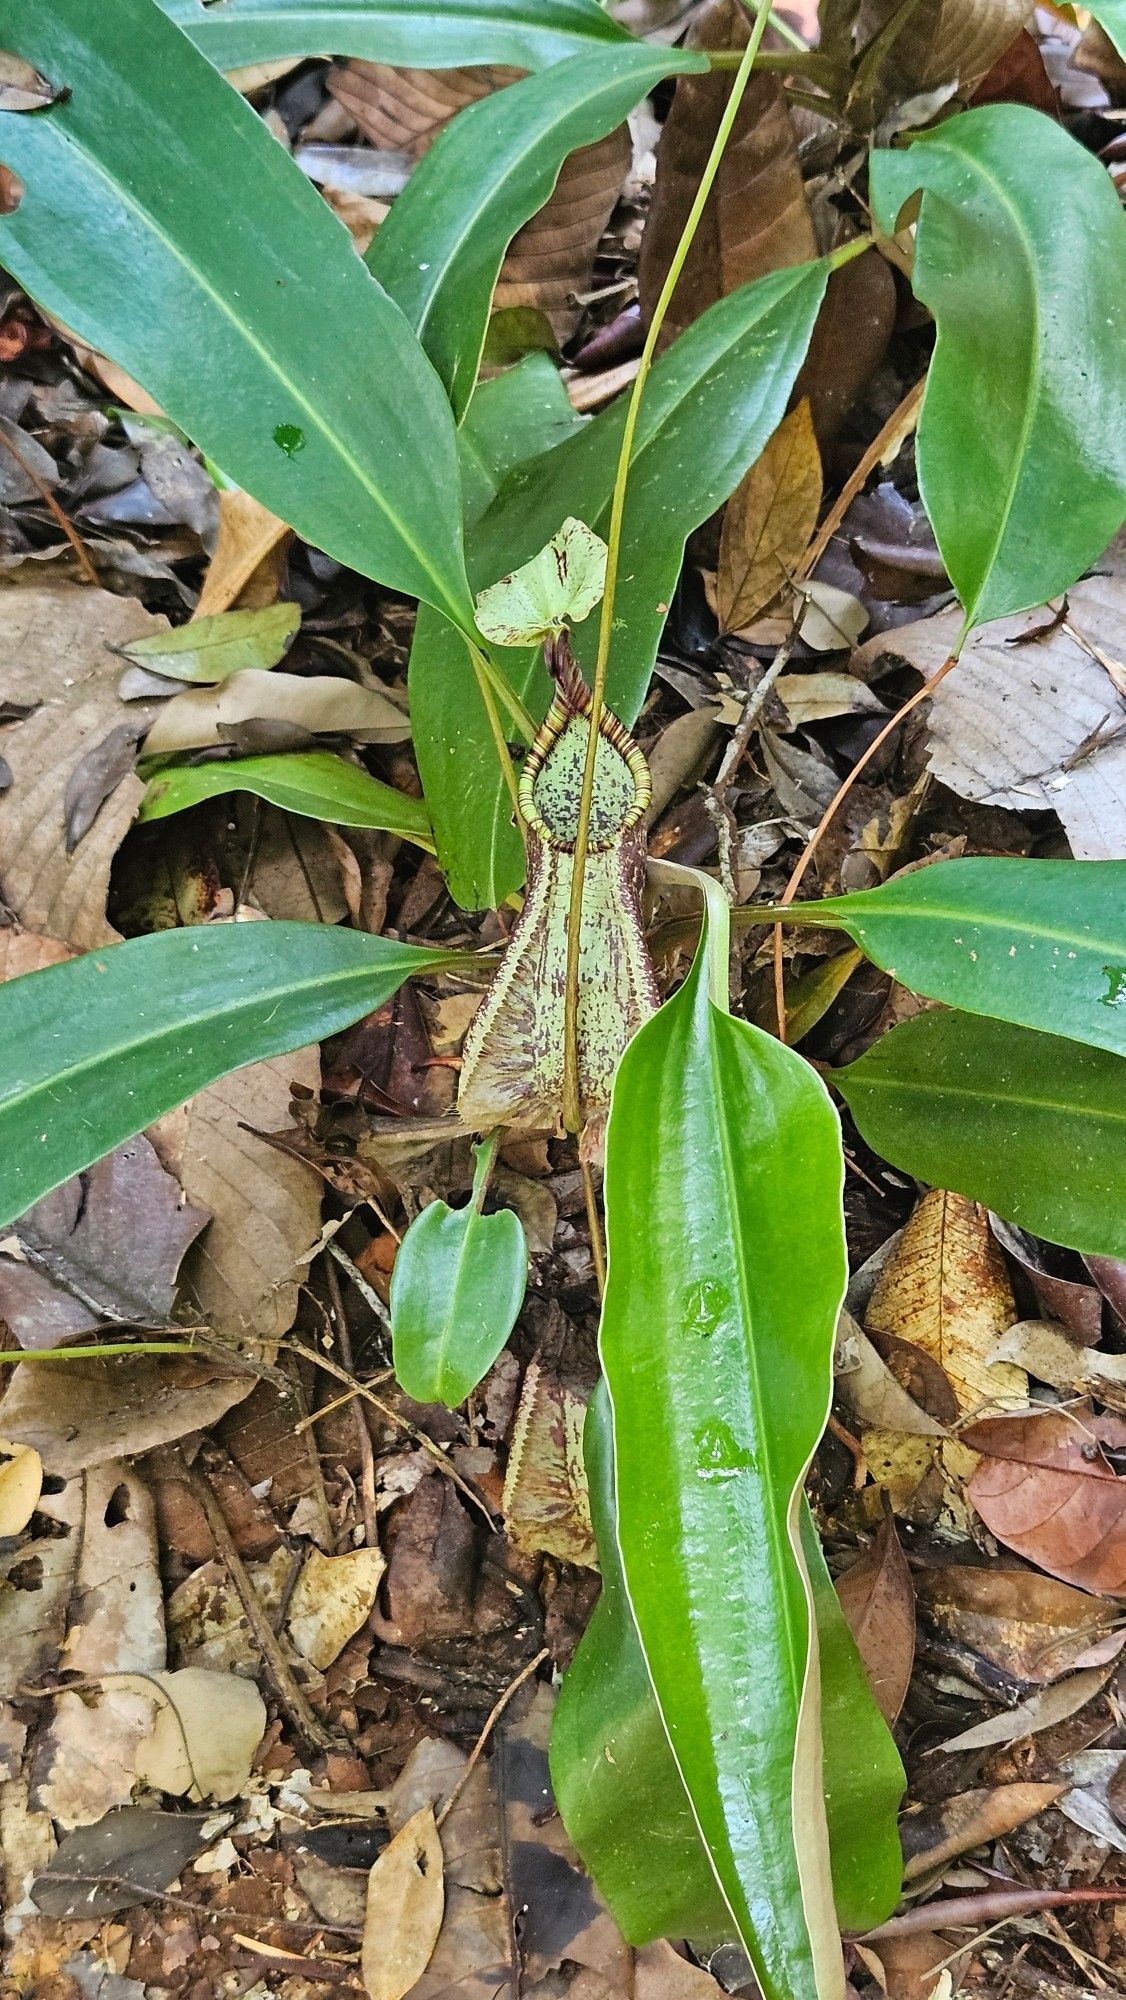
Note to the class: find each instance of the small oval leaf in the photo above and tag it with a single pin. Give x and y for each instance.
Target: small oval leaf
(457, 1286)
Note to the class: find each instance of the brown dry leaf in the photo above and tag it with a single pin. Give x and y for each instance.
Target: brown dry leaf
(249, 556)
(85, 1759)
(1047, 1488)
(873, 1393)
(332, 1598)
(80, 1413)
(24, 951)
(817, 697)
(204, 717)
(945, 1290)
(21, 1483)
(849, 340)
(878, 1601)
(55, 639)
(551, 258)
(36, 1579)
(1035, 726)
(206, 1730)
(768, 522)
(111, 1240)
(1030, 1627)
(931, 1839)
(1042, 1348)
(404, 1909)
(941, 41)
(1053, 1704)
(244, 1274)
(546, 1506)
(207, 1626)
(756, 218)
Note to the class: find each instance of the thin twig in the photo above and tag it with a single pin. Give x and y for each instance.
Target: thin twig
(990, 1907)
(572, 1107)
(363, 1435)
(308, 1726)
(495, 1714)
(830, 813)
(594, 1224)
(755, 703)
(402, 1423)
(858, 479)
(82, 553)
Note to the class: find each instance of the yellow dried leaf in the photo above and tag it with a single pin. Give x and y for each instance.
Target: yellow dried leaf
(21, 1483)
(245, 567)
(405, 1904)
(769, 521)
(332, 1597)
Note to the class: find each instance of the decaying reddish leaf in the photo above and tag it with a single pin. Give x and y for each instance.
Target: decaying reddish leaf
(878, 1600)
(1047, 1486)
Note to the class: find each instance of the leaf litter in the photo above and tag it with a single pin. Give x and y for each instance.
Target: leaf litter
(972, 1396)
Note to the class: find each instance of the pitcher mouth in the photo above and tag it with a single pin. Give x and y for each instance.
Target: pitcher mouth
(572, 702)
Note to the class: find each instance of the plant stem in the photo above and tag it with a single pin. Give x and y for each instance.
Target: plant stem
(572, 1106)
(484, 687)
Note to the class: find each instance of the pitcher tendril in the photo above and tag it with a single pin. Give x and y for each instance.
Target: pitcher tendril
(572, 1112)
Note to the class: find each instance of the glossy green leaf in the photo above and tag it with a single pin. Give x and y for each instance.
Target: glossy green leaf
(1021, 256)
(710, 404)
(613, 1770)
(519, 415)
(709, 407)
(314, 783)
(208, 650)
(1041, 943)
(93, 1050)
(440, 250)
(164, 223)
(1030, 1124)
(458, 1283)
(420, 34)
(1111, 17)
(723, 1179)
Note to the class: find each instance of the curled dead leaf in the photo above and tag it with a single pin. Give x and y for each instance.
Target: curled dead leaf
(931, 1839)
(405, 1901)
(768, 523)
(1048, 1486)
(878, 1600)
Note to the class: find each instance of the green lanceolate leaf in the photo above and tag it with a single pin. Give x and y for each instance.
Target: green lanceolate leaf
(314, 783)
(1111, 17)
(1041, 943)
(613, 1770)
(1021, 257)
(520, 415)
(723, 1179)
(710, 404)
(93, 1050)
(420, 34)
(163, 222)
(208, 650)
(457, 1286)
(440, 250)
(1030, 1124)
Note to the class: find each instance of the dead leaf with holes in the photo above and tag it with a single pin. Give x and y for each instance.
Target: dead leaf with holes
(768, 523)
(945, 1293)
(54, 639)
(206, 1730)
(756, 219)
(878, 1600)
(85, 1757)
(36, 1579)
(332, 1598)
(1049, 1486)
(405, 1901)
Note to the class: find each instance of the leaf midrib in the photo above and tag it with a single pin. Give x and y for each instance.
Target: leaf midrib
(336, 445)
(1017, 1100)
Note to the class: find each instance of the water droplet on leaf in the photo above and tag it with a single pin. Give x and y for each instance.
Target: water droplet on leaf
(703, 1306)
(719, 1453)
(289, 438)
(1115, 995)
